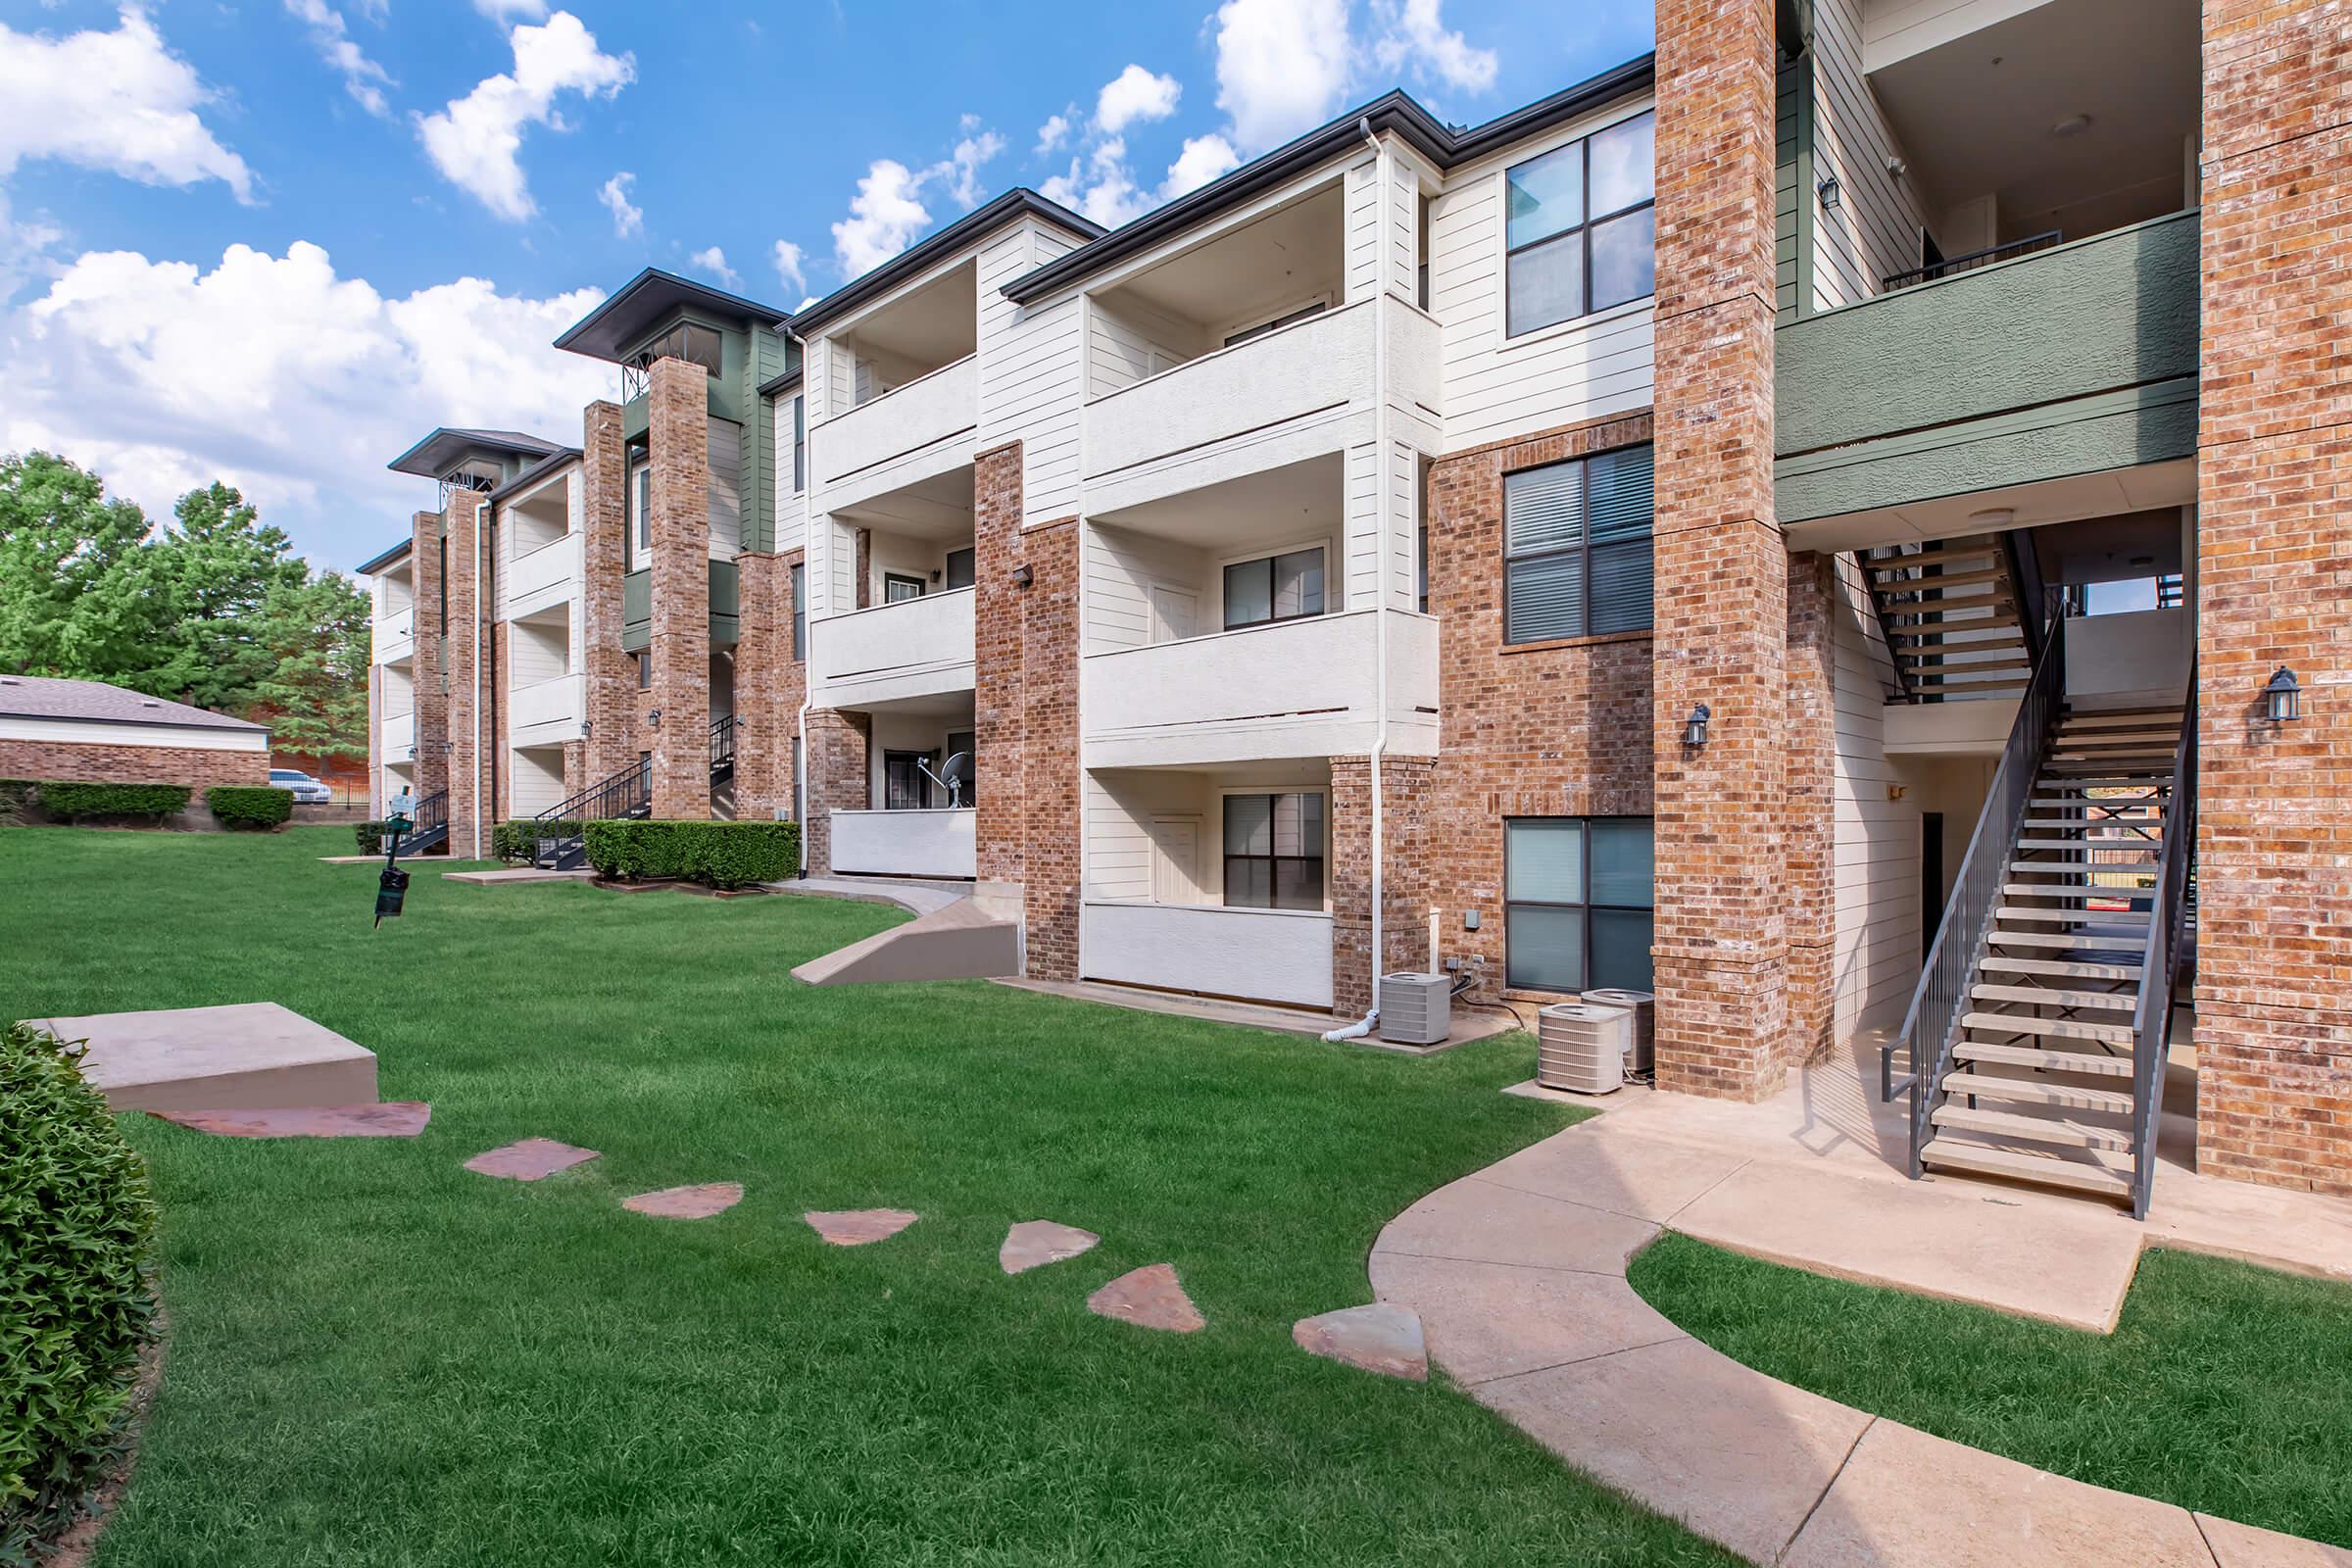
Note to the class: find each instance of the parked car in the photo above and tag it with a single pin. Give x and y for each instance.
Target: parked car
(308, 791)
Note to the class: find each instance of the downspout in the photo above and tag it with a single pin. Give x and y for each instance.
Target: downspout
(1379, 593)
(800, 766)
(481, 643)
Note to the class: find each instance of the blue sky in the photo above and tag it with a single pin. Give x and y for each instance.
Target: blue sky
(275, 241)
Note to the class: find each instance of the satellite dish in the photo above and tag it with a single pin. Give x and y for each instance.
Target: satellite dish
(950, 777)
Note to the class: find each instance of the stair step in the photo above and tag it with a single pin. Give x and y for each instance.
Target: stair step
(2129, 824)
(2122, 716)
(2052, 997)
(2065, 968)
(2024, 843)
(2038, 1092)
(2004, 1023)
(1943, 555)
(1952, 1154)
(2089, 1064)
(2118, 735)
(1965, 655)
(2136, 863)
(1962, 613)
(2007, 913)
(2033, 890)
(2071, 1131)
(2085, 944)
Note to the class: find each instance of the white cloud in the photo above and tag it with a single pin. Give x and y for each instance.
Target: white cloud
(1051, 135)
(715, 262)
(1282, 67)
(363, 78)
(119, 101)
(627, 216)
(283, 378)
(1414, 34)
(473, 141)
(960, 171)
(1202, 159)
(884, 217)
(1135, 94)
(789, 267)
(503, 12)
(1102, 187)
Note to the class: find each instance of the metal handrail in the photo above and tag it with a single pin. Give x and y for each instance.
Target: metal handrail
(2160, 958)
(1931, 1026)
(1969, 263)
(615, 796)
(722, 743)
(430, 812)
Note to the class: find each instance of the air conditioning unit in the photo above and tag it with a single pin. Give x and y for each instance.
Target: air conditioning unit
(1415, 1010)
(1645, 1009)
(1581, 1047)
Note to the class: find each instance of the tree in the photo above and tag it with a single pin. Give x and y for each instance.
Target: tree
(317, 637)
(78, 593)
(220, 564)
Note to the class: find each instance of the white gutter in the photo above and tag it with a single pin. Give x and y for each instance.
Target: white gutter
(800, 767)
(1379, 593)
(480, 622)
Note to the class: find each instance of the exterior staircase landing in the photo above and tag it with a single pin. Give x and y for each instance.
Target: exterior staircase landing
(1950, 611)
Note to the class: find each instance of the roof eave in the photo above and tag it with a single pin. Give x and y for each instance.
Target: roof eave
(979, 222)
(599, 333)
(368, 569)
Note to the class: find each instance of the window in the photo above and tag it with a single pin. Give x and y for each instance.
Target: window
(963, 567)
(1580, 227)
(641, 513)
(800, 613)
(685, 341)
(897, 587)
(1274, 852)
(903, 785)
(799, 444)
(645, 671)
(1277, 323)
(1577, 897)
(796, 778)
(1576, 547)
(1283, 587)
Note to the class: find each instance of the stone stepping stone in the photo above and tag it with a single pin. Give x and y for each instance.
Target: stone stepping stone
(1382, 1337)
(531, 1159)
(1149, 1297)
(394, 1118)
(687, 1202)
(857, 1227)
(1034, 1242)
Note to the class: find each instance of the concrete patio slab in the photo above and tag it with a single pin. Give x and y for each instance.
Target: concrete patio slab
(530, 1159)
(2236, 1546)
(960, 942)
(1485, 1321)
(515, 875)
(1467, 1026)
(1737, 1458)
(255, 1055)
(1380, 1338)
(687, 1202)
(1036, 1243)
(393, 1118)
(1476, 1221)
(351, 859)
(1629, 1176)
(920, 897)
(1907, 1499)
(859, 1227)
(1150, 1298)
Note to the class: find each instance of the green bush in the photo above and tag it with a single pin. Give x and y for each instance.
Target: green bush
(15, 798)
(76, 1227)
(71, 802)
(250, 806)
(369, 836)
(518, 841)
(718, 855)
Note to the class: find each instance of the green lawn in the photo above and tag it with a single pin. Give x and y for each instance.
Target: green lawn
(2226, 1388)
(377, 1357)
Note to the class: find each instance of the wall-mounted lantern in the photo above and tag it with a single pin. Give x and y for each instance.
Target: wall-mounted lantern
(1694, 728)
(1022, 576)
(2282, 698)
(1832, 195)
(653, 720)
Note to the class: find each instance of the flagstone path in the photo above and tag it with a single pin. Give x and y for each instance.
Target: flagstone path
(859, 1227)
(1150, 1298)
(1034, 1242)
(531, 1159)
(393, 1118)
(687, 1202)
(1382, 1337)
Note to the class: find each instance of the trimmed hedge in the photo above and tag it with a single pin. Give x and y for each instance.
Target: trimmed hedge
(16, 798)
(77, 1234)
(71, 802)
(518, 841)
(250, 806)
(369, 836)
(718, 855)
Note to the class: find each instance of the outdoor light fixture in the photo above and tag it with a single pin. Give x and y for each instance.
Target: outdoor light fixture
(653, 720)
(1694, 728)
(2282, 698)
(1833, 196)
(1022, 576)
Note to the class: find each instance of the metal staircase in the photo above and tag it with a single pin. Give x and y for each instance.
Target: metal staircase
(1952, 614)
(432, 832)
(2038, 1036)
(722, 768)
(561, 843)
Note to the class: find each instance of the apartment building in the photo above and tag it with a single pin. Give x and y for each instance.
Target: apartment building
(1825, 524)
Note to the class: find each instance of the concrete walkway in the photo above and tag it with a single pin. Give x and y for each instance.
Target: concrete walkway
(1518, 1275)
(922, 897)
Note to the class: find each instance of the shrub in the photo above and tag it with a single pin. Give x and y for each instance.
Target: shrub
(71, 802)
(77, 1225)
(518, 841)
(250, 806)
(16, 798)
(369, 836)
(718, 855)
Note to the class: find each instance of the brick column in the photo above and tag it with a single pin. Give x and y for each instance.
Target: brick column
(2274, 463)
(835, 750)
(472, 733)
(1721, 946)
(768, 687)
(611, 695)
(375, 739)
(575, 766)
(1000, 727)
(678, 436)
(1809, 775)
(1407, 807)
(431, 772)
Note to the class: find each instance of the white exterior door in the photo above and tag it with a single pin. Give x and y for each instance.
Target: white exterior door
(1175, 613)
(1175, 860)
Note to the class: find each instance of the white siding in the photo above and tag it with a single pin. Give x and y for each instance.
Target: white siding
(1031, 379)
(1121, 569)
(1133, 344)
(1877, 843)
(1874, 232)
(1119, 808)
(792, 507)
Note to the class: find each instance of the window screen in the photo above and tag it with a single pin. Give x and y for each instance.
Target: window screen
(1577, 547)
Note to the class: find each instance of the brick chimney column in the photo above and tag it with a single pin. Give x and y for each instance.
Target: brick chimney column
(678, 430)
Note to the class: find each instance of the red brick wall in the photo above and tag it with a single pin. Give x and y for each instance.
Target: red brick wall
(769, 685)
(67, 762)
(679, 433)
(473, 783)
(1544, 729)
(1809, 780)
(611, 695)
(2274, 996)
(433, 698)
(836, 752)
(1721, 632)
(1408, 809)
(1000, 732)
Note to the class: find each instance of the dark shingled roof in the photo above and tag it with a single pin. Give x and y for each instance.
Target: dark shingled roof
(95, 702)
(617, 325)
(438, 453)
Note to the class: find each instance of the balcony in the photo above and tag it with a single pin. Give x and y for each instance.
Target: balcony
(891, 653)
(1291, 391)
(398, 737)
(1297, 688)
(2060, 384)
(547, 712)
(936, 844)
(544, 577)
(907, 435)
(637, 606)
(393, 638)
(1281, 955)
